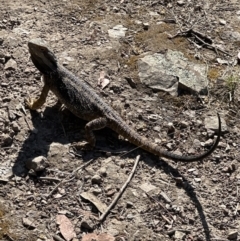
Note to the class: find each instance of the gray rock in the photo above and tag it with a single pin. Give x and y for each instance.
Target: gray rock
(172, 71)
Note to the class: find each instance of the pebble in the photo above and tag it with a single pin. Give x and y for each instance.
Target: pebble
(232, 235)
(96, 179)
(37, 164)
(15, 126)
(184, 124)
(222, 21)
(5, 140)
(129, 204)
(179, 235)
(96, 191)
(208, 143)
(180, 3)
(145, 26)
(103, 171)
(11, 65)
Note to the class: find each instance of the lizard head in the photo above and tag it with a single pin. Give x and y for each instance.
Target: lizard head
(42, 56)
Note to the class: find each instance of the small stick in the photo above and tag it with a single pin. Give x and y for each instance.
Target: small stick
(71, 177)
(50, 179)
(50, 194)
(211, 46)
(102, 217)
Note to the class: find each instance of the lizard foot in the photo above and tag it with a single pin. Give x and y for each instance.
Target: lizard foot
(82, 146)
(31, 103)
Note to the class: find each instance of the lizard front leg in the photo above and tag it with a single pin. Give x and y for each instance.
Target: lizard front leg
(95, 124)
(34, 104)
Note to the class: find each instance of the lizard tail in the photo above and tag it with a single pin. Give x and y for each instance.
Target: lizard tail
(143, 143)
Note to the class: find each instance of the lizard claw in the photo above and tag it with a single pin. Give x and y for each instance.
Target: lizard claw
(30, 103)
(34, 104)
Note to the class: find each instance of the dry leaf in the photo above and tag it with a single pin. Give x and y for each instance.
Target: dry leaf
(66, 227)
(93, 199)
(102, 81)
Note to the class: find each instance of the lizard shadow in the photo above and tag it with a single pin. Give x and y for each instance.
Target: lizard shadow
(49, 128)
(46, 135)
(189, 190)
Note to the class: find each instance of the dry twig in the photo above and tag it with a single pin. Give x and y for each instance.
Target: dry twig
(102, 217)
(71, 176)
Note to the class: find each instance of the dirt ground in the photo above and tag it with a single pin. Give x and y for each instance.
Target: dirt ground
(165, 200)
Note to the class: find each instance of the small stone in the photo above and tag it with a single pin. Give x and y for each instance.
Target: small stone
(110, 193)
(222, 21)
(138, 22)
(37, 164)
(171, 130)
(180, 3)
(145, 26)
(96, 191)
(5, 140)
(232, 235)
(196, 143)
(88, 224)
(169, 146)
(122, 163)
(226, 169)
(11, 65)
(196, 179)
(179, 235)
(129, 204)
(210, 133)
(117, 31)
(184, 124)
(199, 122)
(29, 223)
(103, 171)
(222, 144)
(108, 187)
(208, 143)
(15, 126)
(87, 177)
(157, 128)
(96, 179)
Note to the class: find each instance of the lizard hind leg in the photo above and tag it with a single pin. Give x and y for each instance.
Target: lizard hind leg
(96, 124)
